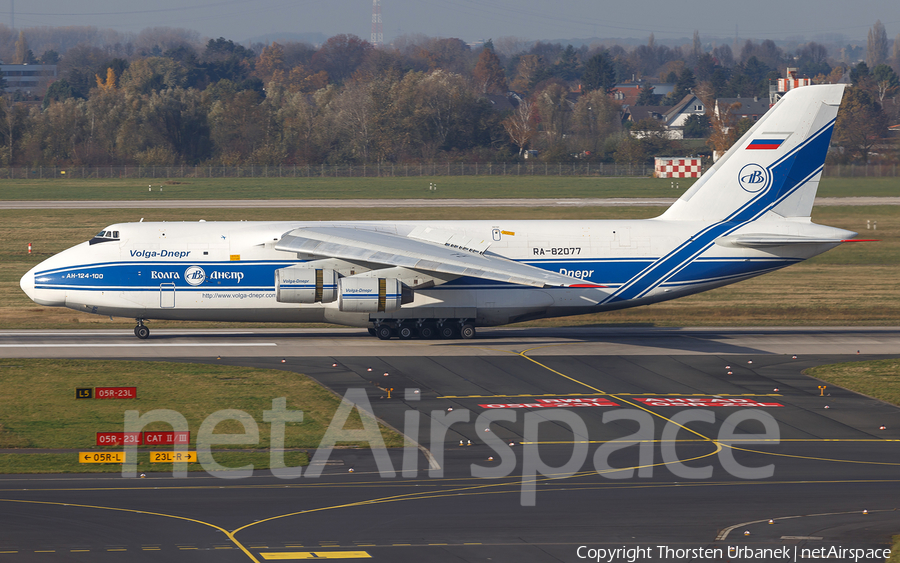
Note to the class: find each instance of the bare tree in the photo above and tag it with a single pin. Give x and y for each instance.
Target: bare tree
(723, 123)
(596, 117)
(724, 55)
(520, 125)
(886, 82)
(876, 46)
(555, 112)
(488, 74)
(340, 56)
(895, 58)
(860, 124)
(21, 49)
(508, 46)
(528, 67)
(13, 116)
(696, 47)
(350, 115)
(162, 39)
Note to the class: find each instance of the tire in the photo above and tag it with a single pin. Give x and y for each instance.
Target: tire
(447, 332)
(467, 331)
(372, 332)
(384, 332)
(427, 332)
(406, 332)
(142, 332)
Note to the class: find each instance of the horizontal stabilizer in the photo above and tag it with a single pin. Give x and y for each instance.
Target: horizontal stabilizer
(761, 241)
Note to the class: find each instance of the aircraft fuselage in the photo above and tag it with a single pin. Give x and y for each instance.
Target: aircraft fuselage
(224, 271)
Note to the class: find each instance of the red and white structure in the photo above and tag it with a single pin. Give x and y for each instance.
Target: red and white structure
(377, 33)
(784, 85)
(665, 167)
(787, 84)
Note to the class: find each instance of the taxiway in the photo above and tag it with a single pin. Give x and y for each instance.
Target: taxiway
(834, 470)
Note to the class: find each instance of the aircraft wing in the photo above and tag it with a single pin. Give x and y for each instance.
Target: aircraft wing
(394, 250)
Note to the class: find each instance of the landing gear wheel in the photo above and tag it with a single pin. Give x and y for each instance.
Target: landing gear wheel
(406, 332)
(372, 332)
(447, 331)
(427, 332)
(467, 331)
(142, 332)
(384, 332)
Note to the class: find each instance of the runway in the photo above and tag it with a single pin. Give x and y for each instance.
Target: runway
(205, 344)
(828, 465)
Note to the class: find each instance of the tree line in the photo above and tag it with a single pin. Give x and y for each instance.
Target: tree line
(179, 101)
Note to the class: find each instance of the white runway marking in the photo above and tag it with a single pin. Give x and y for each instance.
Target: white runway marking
(141, 344)
(120, 332)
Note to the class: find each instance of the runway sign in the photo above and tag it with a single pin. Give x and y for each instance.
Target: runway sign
(166, 438)
(173, 457)
(119, 438)
(554, 403)
(84, 393)
(703, 402)
(101, 457)
(142, 438)
(116, 392)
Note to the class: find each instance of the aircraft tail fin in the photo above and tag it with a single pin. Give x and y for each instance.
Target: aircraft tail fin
(774, 167)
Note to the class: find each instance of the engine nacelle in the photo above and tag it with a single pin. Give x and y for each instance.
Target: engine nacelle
(369, 295)
(297, 284)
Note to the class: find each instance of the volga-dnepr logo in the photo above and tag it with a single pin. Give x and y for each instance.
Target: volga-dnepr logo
(753, 178)
(194, 275)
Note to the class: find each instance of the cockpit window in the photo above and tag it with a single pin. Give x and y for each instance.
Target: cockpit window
(105, 236)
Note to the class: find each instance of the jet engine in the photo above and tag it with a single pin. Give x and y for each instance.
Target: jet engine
(297, 284)
(369, 294)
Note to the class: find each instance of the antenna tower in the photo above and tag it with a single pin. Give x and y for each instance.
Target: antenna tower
(377, 34)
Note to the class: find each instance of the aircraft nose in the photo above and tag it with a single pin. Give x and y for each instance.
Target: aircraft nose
(50, 298)
(27, 283)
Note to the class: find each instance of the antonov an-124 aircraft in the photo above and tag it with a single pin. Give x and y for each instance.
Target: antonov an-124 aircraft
(747, 215)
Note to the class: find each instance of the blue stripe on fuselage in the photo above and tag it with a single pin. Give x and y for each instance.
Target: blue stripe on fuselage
(260, 276)
(149, 275)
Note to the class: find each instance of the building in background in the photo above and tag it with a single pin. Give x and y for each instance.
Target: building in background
(28, 79)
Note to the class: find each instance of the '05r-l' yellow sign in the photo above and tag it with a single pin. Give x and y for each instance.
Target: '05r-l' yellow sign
(101, 457)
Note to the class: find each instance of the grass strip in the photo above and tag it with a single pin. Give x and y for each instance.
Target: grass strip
(466, 187)
(895, 550)
(40, 410)
(398, 186)
(876, 378)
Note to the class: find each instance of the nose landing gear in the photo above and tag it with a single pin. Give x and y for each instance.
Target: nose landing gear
(141, 331)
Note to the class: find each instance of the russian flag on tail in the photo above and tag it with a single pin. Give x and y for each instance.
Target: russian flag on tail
(764, 144)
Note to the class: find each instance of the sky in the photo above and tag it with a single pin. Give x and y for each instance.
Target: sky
(473, 20)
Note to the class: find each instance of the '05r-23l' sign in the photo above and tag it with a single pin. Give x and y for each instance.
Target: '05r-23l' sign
(106, 393)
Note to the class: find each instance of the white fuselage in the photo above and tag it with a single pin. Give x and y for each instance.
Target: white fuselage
(224, 271)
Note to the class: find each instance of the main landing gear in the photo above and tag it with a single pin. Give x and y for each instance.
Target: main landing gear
(425, 329)
(141, 331)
